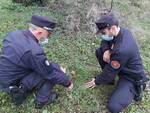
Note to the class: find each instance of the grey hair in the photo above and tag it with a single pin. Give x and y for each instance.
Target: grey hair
(33, 27)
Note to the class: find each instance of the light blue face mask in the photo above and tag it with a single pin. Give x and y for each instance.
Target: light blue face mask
(107, 38)
(44, 41)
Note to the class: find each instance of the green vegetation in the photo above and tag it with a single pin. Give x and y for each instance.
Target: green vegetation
(77, 53)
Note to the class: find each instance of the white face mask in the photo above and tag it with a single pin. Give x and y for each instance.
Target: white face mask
(44, 41)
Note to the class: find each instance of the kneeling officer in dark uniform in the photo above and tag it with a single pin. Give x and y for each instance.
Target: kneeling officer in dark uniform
(119, 55)
(24, 66)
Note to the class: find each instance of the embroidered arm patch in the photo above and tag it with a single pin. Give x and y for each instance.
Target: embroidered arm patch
(115, 64)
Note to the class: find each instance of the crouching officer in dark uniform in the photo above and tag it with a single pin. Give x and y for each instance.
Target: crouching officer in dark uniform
(24, 66)
(118, 55)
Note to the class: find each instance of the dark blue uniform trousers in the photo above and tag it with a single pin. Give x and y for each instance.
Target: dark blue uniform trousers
(123, 94)
(44, 87)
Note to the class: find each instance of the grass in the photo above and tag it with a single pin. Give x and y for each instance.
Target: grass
(77, 53)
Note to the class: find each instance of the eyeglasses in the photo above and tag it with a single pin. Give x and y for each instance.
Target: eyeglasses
(104, 31)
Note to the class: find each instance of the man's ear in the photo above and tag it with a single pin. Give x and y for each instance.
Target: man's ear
(114, 30)
(113, 27)
(39, 33)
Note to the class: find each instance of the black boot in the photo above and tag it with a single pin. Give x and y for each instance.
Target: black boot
(52, 98)
(18, 95)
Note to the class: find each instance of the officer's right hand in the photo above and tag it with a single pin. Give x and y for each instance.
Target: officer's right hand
(106, 56)
(91, 84)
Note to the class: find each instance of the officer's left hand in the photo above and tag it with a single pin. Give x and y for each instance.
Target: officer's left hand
(90, 84)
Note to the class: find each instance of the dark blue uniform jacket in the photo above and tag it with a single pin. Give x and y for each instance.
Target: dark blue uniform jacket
(125, 58)
(21, 55)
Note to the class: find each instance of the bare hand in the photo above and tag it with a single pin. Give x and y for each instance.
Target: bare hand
(106, 56)
(69, 88)
(90, 84)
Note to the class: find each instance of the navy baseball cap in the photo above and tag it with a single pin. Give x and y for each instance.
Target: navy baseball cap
(106, 21)
(43, 22)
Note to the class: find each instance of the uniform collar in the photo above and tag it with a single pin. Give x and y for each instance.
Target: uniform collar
(28, 33)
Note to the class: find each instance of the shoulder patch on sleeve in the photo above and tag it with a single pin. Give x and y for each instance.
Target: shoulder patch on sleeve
(115, 64)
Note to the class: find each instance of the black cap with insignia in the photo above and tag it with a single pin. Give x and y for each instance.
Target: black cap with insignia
(106, 21)
(43, 22)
